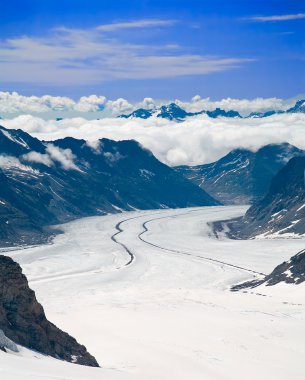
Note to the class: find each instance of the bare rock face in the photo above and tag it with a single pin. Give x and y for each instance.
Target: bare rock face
(289, 272)
(22, 319)
(6, 343)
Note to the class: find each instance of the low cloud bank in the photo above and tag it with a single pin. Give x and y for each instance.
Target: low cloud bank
(195, 141)
(14, 103)
(243, 106)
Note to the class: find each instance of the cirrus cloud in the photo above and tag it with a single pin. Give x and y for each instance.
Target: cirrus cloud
(146, 23)
(287, 17)
(68, 56)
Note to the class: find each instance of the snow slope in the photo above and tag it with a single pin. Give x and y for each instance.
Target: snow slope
(148, 293)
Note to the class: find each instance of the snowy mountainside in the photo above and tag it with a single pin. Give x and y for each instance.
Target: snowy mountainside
(281, 213)
(45, 183)
(242, 176)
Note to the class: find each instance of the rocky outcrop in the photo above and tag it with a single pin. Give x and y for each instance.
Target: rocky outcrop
(7, 344)
(23, 321)
(289, 272)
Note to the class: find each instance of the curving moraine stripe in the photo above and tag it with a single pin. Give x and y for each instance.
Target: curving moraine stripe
(145, 230)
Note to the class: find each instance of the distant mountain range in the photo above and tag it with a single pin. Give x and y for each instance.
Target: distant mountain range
(242, 176)
(299, 107)
(174, 112)
(282, 211)
(44, 183)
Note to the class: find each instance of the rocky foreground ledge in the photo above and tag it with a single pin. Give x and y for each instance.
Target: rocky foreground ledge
(23, 321)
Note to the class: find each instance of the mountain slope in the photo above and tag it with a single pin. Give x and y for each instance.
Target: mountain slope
(282, 211)
(171, 112)
(242, 176)
(298, 107)
(139, 113)
(46, 183)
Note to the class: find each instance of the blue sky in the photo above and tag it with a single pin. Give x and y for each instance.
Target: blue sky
(160, 49)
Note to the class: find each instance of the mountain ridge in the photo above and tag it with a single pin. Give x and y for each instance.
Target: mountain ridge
(242, 176)
(173, 111)
(47, 183)
(281, 212)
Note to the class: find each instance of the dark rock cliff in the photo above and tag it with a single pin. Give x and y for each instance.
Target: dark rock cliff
(22, 319)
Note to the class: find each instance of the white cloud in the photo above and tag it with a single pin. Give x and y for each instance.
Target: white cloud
(8, 161)
(244, 106)
(89, 56)
(14, 103)
(38, 158)
(95, 145)
(119, 106)
(195, 141)
(90, 103)
(53, 154)
(11, 162)
(176, 156)
(296, 16)
(147, 103)
(113, 157)
(147, 23)
(64, 156)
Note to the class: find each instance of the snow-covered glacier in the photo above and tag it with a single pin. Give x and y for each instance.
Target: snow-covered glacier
(148, 293)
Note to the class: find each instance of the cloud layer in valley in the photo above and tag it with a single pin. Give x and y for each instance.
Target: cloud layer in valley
(195, 141)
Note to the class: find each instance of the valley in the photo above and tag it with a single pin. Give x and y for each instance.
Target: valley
(148, 293)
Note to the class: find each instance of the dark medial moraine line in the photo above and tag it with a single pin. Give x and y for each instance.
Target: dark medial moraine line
(145, 229)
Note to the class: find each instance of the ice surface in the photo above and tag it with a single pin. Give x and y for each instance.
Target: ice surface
(169, 314)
